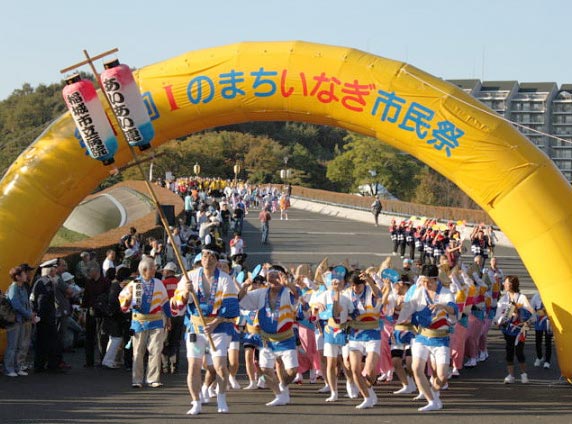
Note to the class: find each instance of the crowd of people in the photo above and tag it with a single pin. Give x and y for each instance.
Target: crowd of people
(420, 321)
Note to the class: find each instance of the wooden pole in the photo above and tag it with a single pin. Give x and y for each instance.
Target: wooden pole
(164, 222)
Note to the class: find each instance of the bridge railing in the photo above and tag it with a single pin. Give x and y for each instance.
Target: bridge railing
(394, 207)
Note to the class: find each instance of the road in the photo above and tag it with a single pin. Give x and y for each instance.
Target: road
(97, 395)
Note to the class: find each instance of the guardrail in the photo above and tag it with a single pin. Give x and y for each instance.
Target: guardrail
(393, 207)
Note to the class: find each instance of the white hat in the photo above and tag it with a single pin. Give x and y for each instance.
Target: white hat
(170, 267)
(66, 276)
(128, 253)
(52, 263)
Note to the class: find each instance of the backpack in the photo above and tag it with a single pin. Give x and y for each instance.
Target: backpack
(7, 312)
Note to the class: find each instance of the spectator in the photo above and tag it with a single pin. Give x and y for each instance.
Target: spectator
(225, 218)
(236, 245)
(542, 330)
(73, 330)
(81, 269)
(113, 324)
(238, 217)
(47, 349)
(63, 293)
(265, 218)
(109, 261)
(376, 210)
(18, 297)
(513, 313)
(96, 291)
(26, 338)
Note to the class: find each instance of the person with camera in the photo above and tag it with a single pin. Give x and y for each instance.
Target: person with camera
(276, 305)
(218, 302)
(514, 313)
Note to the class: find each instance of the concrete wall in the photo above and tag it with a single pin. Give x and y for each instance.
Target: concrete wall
(366, 216)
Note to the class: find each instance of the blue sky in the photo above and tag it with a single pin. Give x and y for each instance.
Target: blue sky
(526, 40)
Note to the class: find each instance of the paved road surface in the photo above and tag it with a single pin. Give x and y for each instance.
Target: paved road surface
(98, 396)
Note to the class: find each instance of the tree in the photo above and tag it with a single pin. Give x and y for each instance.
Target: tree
(435, 189)
(393, 169)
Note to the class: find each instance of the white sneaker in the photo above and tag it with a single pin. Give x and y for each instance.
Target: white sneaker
(196, 409)
(205, 398)
(212, 390)
(261, 384)
(367, 403)
(279, 400)
(313, 377)
(405, 390)
(221, 403)
(233, 383)
(482, 356)
(11, 374)
(351, 390)
(24, 373)
(524, 378)
(445, 387)
(286, 394)
(538, 362)
(420, 396)
(298, 379)
(372, 395)
(325, 389)
(509, 379)
(333, 397)
(547, 365)
(251, 386)
(411, 384)
(431, 406)
(382, 377)
(472, 362)
(455, 372)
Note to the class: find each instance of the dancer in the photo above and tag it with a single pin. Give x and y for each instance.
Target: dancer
(338, 308)
(365, 335)
(276, 306)
(217, 295)
(435, 308)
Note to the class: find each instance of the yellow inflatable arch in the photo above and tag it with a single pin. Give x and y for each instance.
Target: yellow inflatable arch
(400, 105)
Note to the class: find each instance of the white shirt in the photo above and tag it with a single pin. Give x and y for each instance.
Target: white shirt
(107, 263)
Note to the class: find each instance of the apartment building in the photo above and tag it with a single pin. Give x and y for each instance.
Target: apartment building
(537, 109)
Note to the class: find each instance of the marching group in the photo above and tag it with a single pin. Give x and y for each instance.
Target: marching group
(422, 321)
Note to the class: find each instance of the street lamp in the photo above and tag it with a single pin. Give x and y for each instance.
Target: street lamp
(285, 174)
(236, 172)
(197, 169)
